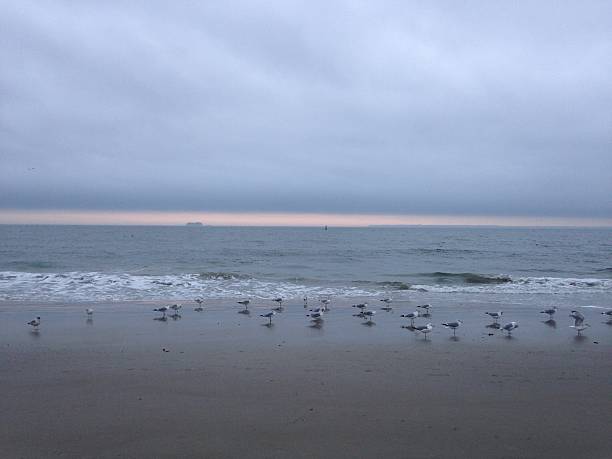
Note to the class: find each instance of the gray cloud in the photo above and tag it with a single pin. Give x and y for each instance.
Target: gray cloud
(434, 107)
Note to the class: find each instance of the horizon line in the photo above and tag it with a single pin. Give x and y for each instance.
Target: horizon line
(287, 219)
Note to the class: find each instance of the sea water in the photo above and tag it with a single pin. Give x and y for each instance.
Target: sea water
(117, 263)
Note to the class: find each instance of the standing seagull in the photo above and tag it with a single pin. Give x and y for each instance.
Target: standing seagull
(387, 306)
(495, 315)
(608, 313)
(305, 301)
(176, 307)
(326, 302)
(369, 315)
(163, 310)
(453, 325)
(580, 328)
(424, 329)
(426, 307)
(317, 315)
(245, 303)
(199, 307)
(279, 300)
(35, 323)
(550, 312)
(509, 327)
(269, 315)
(89, 311)
(411, 316)
(578, 317)
(361, 306)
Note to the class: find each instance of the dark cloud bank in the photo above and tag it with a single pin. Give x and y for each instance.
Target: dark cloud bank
(500, 108)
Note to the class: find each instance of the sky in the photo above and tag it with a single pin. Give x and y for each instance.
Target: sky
(451, 111)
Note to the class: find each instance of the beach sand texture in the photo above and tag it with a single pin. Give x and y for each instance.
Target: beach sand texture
(221, 384)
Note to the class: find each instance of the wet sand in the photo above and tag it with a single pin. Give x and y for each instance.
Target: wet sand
(228, 386)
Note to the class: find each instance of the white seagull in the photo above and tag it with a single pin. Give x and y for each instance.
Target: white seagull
(578, 317)
(608, 313)
(509, 327)
(411, 316)
(424, 329)
(244, 303)
(580, 328)
(176, 307)
(199, 307)
(35, 323)
(279, 300)
(369, 315)
(89, 311)
(453, 325)
(550, 312)
(317, 315)
(269, 315)
(495, 315)
(361, 306)
(163, 310)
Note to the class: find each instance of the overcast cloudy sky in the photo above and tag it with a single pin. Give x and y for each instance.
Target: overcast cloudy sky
(450, 108)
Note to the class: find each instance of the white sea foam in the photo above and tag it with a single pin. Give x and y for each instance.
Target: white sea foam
(527, 285)
(95, 286)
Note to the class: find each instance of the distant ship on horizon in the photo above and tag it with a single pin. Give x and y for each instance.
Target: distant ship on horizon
(194, 224)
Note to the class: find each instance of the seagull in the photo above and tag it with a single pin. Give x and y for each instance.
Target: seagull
(509, 327)
(305, 301)
(326, 302)
(453, 325)
(176, 307)
(411, 316)
(317, 315)
(550, 312)
(244, 303)
(279, 300)
(578, 317)
(580, 328)
(369, 315)
(424, 329)
(495, 315)
(425, 307)
(269, 315)
(387, 302)
(162, 309)
(361, 306)
(35, 323)
(608, 313)
(89, 311)
(200, 301)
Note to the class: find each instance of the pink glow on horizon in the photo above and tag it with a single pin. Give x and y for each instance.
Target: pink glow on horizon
(275, 219)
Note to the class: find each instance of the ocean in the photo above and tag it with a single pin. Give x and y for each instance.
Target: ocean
(122, 263)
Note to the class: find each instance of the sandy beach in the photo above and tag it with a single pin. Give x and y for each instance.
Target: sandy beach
(221, 384)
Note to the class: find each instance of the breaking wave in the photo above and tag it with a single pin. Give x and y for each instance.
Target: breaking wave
(525, 285)
(95, 286)
(468, 278)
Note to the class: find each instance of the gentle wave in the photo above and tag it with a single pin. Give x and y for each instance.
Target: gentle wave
(95, 286)
(468, 278)
(526, 285)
